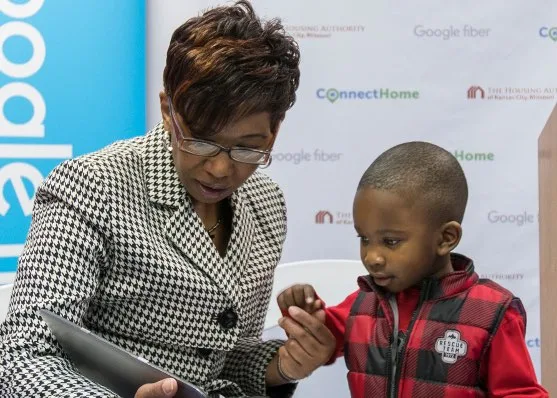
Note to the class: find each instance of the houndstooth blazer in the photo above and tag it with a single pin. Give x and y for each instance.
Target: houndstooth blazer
(115, 246)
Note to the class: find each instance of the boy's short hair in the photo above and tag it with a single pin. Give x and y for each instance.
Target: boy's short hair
(421, 171)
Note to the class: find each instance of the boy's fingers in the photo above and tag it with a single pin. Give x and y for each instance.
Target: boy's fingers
(287, 297)
(314, 306)
(281, 301)
(302, 296)
(317, 305)
(309, 294)
(299, 296)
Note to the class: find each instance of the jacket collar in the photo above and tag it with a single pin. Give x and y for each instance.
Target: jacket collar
(162, 181)
(461, 279)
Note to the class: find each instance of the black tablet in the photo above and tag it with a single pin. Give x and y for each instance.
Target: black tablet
(107, 364)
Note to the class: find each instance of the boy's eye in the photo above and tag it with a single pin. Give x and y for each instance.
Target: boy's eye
(363, 240)
(391, 242)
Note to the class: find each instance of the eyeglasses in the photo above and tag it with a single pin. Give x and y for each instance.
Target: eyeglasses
(199, 147)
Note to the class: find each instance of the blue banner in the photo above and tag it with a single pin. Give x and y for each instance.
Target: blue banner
(72, 80)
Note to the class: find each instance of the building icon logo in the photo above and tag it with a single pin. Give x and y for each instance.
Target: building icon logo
(323, 217)
(475, 91)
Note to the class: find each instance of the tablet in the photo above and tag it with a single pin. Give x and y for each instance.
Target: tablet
(107, 364)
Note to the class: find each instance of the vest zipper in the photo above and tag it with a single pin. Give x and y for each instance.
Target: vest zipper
(398, 359)
(394, 346)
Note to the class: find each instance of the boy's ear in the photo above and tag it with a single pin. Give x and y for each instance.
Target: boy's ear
(450, 234)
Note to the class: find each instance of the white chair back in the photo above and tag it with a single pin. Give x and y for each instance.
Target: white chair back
(5, 293)
(333, 280)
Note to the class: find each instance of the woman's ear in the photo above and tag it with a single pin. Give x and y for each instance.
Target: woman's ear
(274, 136)
(450, 235)
(165, 111)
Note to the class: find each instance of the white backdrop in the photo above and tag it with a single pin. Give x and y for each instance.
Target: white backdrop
(476, 78)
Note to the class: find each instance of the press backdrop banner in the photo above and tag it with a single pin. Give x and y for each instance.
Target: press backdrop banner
(72, 80)
(476, 78)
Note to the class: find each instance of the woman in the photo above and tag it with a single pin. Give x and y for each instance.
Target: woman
(166, 244)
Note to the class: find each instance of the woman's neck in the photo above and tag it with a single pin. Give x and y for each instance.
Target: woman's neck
(216, 219)
(209, 213)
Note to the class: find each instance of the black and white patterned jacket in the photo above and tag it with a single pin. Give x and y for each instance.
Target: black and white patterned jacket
(115, 246)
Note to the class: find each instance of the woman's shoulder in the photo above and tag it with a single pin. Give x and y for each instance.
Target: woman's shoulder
(262, 187)
(266, 199)
(117, 164)
(116, 154)
(115, 158)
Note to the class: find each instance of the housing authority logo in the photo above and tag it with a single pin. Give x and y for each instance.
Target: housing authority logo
(322, 31)
(333, 94)
(339, 217)
(512, 93)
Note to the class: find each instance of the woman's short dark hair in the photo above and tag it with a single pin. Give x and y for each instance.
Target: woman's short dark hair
(226, 64)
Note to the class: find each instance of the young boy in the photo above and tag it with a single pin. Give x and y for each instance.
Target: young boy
(422, 323)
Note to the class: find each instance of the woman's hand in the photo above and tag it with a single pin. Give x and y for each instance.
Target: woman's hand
(162, 389)
(310, 345)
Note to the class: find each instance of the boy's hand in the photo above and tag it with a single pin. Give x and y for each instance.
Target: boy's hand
(302, 296)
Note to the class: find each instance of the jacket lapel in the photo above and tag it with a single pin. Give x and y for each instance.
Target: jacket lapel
(184, 228)
(239, 246)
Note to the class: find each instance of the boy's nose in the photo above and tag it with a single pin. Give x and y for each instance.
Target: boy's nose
(374, 261)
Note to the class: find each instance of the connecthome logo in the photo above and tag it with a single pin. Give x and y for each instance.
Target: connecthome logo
(547, 32)
(333, 94)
